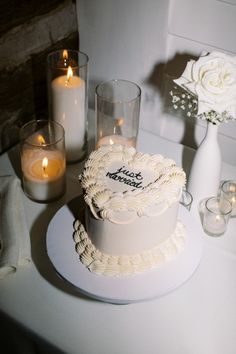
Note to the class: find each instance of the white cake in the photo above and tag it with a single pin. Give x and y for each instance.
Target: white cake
(132, 211)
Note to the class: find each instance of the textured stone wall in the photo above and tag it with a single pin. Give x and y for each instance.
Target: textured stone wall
(29, 30)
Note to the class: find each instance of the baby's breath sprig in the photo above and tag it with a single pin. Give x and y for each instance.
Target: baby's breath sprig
(184, 100)
(188, 103)
(215, 117)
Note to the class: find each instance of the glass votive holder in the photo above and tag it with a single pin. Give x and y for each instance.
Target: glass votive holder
(67, 75)
(42, 148)
(117, 106)
(228, 191)
(216, 216)
(186, 199)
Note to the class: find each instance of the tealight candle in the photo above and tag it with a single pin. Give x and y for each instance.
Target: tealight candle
(68, 101)
(228, 191)
(116, 139)
(215, 224)
(216, 216)
(43, 160)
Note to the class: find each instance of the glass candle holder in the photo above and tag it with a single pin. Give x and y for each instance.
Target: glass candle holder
(186, 199)
(216, 216)
(228, 191)
(42, 146)
(117, 105)
(67, 92)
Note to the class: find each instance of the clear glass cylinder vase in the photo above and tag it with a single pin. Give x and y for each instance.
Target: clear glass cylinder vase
(117, 112)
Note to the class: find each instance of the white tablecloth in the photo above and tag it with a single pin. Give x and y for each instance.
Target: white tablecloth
(197, 318)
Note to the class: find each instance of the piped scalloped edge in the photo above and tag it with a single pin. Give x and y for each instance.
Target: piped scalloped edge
(118, 266)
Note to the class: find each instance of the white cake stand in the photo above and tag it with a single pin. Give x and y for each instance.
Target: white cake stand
(134, 288)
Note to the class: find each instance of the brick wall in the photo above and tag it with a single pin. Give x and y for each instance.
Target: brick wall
(29, 30)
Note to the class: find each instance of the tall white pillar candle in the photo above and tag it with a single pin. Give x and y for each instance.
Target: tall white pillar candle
(68, 109)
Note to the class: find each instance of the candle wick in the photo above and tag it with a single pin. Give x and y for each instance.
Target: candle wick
(44, 166)
(69, 75)
(45, 175)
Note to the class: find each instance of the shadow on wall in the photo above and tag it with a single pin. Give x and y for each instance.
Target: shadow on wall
(161, 79)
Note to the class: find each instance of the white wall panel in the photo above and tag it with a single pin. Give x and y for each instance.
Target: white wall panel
(232, 2)
(126, 39)
(205, 21)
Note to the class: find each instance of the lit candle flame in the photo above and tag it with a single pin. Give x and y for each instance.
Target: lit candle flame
(111, 141)
(69, 74)
(44, 166)
(65, 57)
(217, 218)
(119, 121)
(41, 140)
(65, 54)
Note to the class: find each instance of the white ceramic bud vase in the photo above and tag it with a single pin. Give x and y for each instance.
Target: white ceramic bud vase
(204, 178)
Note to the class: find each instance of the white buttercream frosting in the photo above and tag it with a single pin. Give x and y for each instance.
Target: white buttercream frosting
(141, 181)
(123, 265)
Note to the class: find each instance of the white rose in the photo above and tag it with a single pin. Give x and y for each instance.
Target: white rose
(212, 78)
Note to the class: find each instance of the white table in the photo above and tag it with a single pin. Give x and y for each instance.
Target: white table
(197, 318)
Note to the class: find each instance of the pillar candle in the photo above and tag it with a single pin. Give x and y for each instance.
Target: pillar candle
(116, 139)
(215, 224)
(68, 109)
(43, 174)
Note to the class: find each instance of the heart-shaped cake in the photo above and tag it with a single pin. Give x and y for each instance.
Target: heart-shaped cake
(132, 206)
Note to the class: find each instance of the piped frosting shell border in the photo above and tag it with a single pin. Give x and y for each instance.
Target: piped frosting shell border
(104, 264)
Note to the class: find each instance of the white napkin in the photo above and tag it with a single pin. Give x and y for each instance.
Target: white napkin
(14, 234)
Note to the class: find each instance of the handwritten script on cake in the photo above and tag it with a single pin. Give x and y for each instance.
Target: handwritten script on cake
(123, 175)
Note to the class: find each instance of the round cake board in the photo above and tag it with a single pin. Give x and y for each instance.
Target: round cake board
(120, 290)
